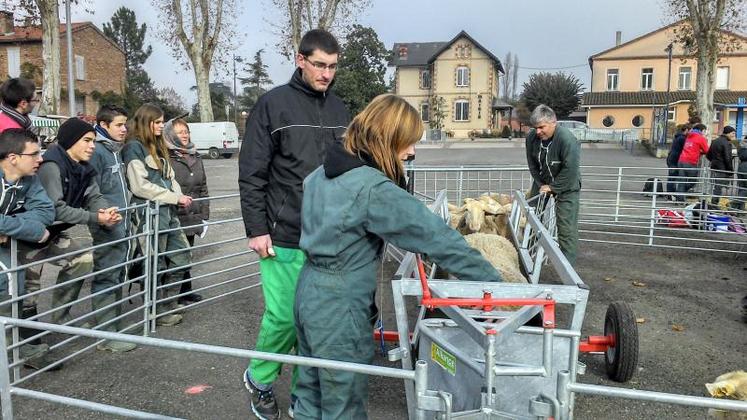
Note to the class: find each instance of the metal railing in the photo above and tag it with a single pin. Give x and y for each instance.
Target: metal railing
(614, 207)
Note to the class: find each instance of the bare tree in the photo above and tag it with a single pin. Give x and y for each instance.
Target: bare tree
(707, 31)
(300, 16)
(202, 30)
(515, 77)
(508, 71)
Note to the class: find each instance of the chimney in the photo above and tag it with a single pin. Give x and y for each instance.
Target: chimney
(6, 22)
(618, 38)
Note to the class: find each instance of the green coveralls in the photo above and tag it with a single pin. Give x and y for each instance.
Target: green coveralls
(346, 220)
(557, 165)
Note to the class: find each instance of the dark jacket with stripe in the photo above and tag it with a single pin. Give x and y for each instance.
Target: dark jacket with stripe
(286, 137)
(560, 167)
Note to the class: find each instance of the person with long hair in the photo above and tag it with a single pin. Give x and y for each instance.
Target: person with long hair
(150, 176)
(190, 174)
(354, 203)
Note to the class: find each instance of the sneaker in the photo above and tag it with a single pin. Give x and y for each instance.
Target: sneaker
(116, 346)
(293, 404)
(169, 320)
(264, 405)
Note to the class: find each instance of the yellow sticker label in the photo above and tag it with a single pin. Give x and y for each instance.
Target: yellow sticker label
(443, 358)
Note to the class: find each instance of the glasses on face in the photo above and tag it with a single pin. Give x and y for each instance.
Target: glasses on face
(321, 66)
(34, 154)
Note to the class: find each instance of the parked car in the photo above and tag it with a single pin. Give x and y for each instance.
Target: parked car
(215, 139)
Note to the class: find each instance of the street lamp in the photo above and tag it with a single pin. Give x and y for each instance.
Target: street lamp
(663, 139)
(235, 96)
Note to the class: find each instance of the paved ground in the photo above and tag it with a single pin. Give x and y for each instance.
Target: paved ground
(693, 290)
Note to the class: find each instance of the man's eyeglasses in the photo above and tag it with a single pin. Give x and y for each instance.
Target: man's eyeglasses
(34, 155)
(321, 66)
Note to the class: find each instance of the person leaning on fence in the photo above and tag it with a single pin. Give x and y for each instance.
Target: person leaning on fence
(674, 156)
(352, 205)
(190, 174)
(111, 131)
(722, 167)
(17, 100)
(553, 156)
(150, 176)
(25, 212)
(286, 136)
(742, 176)
(70, 183)
(695, 146)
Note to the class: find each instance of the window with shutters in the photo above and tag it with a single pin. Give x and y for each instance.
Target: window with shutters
(14, 61)
(80, 68)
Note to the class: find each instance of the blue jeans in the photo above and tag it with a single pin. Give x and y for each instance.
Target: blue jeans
(689, 174)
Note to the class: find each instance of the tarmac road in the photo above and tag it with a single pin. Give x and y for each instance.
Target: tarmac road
(696, 291)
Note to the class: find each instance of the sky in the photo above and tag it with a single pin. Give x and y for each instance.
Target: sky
(547, 35)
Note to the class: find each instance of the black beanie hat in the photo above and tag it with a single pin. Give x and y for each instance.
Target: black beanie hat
(71, 131)
(729, 129)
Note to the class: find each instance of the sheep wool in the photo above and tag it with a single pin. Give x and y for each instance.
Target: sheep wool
(500, 252)
(729, 385)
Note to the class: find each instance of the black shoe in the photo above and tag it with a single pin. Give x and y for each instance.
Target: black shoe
(190, 298)
(263, 405)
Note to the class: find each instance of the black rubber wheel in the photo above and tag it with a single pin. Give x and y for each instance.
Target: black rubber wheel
(622, 359)
(213, 153)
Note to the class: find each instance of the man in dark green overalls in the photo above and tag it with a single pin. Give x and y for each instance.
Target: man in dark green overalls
(553, 156)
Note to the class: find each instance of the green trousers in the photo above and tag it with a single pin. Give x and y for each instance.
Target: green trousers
(566, 214)
(277, 333)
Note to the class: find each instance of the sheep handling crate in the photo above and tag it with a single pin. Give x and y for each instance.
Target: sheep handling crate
(489, 363)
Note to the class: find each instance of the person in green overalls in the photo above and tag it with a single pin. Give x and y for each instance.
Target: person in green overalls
(553, 155)
(354, 203)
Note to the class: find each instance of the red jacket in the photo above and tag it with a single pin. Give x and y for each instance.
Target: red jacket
(6, 122)
(695, 145)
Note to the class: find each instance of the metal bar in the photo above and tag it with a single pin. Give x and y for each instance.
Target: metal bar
(74, 402)
(658, 397)
(5, 400)
(400, 313)
(421, 386)
(15, 309)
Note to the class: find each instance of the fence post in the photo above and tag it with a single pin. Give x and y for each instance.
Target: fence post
(15, 308)
(5, 398)
(147, 269)
(653, 212)
(421, 386)
(460, 183)
(154, 265)
(617, 196)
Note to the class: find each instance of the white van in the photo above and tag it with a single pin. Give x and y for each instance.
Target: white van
(215, 139)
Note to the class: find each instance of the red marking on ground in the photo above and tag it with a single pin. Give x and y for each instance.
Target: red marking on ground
(197, 389)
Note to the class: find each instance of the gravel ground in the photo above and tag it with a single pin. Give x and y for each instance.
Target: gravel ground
(694, 291)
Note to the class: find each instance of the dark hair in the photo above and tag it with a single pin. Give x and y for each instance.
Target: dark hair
(700, 127)
(694, 120)
(685, 127)
(318, 39)
(13, 140)
(107, 113)
(15, 90)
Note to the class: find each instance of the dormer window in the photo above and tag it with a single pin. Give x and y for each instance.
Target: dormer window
(403, 52)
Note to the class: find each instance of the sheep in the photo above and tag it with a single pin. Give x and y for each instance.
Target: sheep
(486, 214)
(501, 254)
(729, 385)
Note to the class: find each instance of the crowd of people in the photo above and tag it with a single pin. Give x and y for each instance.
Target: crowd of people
(689, 146)
(95, 176)
(320, 195)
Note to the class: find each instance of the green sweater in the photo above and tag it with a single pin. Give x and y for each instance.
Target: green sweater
(560, 169)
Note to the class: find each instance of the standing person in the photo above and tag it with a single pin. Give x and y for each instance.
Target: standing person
(286, 136)
(722, 167)
(742, 175)
(695, 146)
(70, 183)
(674, 156)
(150, 176)
(25, 212)
(17, 100)
(190, 174)
(353, 204)
(111, 130)
(553, 156)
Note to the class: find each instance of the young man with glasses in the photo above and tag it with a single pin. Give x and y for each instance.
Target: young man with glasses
(18, 100)
(287, 134)
(25, 213)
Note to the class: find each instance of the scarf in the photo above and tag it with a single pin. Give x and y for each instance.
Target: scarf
(103, 136)
(23, 120)
(173, 142)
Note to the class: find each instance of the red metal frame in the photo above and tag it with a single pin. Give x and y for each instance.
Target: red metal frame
(487, 302)
(597, 344)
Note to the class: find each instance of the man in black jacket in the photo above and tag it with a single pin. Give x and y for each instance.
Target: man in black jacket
(722, 168)
(674, 157)
(286, 137)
